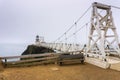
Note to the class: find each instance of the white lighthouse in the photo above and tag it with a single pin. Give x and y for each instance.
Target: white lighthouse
(39, 40)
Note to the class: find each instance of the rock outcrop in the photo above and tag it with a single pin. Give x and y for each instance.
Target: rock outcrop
(32, 49)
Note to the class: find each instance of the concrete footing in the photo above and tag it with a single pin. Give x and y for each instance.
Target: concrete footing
(115, 66)
(112, 62)
(97, 62)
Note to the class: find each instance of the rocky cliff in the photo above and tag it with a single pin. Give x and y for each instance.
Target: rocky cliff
(32, 49)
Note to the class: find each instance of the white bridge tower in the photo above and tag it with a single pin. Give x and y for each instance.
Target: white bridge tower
(103, 37)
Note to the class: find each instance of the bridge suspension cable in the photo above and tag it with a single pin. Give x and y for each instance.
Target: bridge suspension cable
(115, 7)
(73, 24)
(86, 30)
(78, 30)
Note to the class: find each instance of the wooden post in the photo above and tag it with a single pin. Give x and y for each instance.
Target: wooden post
(1, 65)
(5, 62)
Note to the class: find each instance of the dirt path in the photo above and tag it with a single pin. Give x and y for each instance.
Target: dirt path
(54, 72)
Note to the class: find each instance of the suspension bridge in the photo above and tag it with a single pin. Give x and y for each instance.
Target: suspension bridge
(101, 39)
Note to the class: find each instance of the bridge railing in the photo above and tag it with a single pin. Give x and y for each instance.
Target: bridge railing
(64, 47)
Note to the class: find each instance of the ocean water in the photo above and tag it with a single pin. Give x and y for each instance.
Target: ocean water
(12, 49)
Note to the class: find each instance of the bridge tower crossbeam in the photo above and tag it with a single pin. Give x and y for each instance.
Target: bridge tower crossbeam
(102, 36)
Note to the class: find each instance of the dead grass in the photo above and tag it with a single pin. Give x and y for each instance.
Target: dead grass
(55, 72)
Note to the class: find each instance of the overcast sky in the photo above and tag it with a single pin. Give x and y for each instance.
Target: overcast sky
(22, 20)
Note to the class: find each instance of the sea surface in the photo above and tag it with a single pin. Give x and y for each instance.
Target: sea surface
(12, 49)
